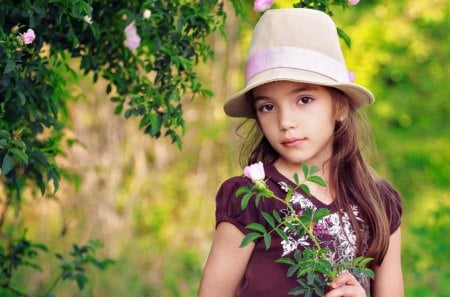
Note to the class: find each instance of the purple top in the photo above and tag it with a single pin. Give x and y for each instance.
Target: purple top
(263, 276)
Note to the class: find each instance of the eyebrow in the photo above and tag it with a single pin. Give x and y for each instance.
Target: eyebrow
(302, 88)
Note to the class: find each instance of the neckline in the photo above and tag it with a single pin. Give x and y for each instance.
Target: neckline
(273, 173)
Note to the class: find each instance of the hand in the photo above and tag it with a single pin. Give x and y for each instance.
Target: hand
(346, 285)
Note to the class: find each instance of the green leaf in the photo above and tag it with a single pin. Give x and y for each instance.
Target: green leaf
(10, 65)
(320, 213)
(298, 255)
(290, 226)
(344, 37)
(313, 170)
(7, 165)
(305, 189)
(81, 280)
(19, 143)
(281, 233)
(291, 271)
(319, 291)
(5, 134)
(245, 199)
(276, 215)
(267, 240)
(316, 179)
(287, 261)
(256, 227)
(268, 219)
(368, 273)
(297, 291)
(23, 99)
(242, 190)
(296, 179)
(20, 154)
(365, 261)
(305, 170)
(118, 109)
(249, 238)
(303, 272)
(32, 265)
(310, 277)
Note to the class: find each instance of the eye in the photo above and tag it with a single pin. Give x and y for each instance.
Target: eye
(266, 107)
(304, 100)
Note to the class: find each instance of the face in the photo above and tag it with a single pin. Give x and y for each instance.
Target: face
(298, 121)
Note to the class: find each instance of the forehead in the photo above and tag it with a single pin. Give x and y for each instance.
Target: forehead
(284, 87)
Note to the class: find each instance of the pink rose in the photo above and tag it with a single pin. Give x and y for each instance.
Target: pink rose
(255, 172)
(28, 37)
(353, 2)
(132, 39)
(262, 5)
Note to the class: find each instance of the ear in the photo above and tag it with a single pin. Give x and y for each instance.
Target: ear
(342, 115)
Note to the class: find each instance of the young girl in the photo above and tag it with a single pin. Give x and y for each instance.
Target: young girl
(304, 105)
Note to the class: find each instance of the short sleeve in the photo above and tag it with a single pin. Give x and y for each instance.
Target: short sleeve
(228, 206)
(393, 205)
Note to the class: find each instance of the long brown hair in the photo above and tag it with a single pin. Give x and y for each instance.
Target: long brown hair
(351, 180)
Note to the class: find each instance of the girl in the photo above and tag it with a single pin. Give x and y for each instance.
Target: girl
(299, 92)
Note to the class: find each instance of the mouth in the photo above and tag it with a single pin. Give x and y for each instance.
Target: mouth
(292, 142)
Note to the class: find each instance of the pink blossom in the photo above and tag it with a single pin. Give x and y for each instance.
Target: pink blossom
(255, 172)
(132, 39)
(353, 2)
(28, 37)
(351, 76)
(262, 5)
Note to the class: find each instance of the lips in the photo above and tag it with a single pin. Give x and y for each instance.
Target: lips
(292, 142)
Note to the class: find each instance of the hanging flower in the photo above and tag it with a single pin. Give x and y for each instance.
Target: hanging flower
(132, 39)
(147, 13)
(28, 37)
(353, 2)
(87, 19)
(262, 5)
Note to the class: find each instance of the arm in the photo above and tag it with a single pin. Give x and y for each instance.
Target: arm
(226, 262)
(388, 276)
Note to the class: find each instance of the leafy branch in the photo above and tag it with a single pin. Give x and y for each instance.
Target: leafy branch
(310, 266)
(23, 253)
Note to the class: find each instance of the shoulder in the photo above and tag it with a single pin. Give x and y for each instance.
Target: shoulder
(228, 204)
(235, 182)
(392, 201)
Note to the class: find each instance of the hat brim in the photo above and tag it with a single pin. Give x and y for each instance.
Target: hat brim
(240, 105)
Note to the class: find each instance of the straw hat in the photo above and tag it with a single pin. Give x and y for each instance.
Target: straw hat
(295, 44)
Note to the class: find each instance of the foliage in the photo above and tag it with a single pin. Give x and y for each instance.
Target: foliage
(310, 266)
(325, 6)
(147, 81)
(22, 252)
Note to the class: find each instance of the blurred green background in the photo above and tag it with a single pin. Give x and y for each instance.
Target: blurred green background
(152, 205)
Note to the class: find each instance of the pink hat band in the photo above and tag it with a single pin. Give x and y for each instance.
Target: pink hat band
(296, 58)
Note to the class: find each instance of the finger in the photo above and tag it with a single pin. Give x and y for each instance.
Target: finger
(347, 291)
(344, 279)
(339, 292)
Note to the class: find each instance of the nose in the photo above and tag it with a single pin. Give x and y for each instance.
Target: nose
(287, 119)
